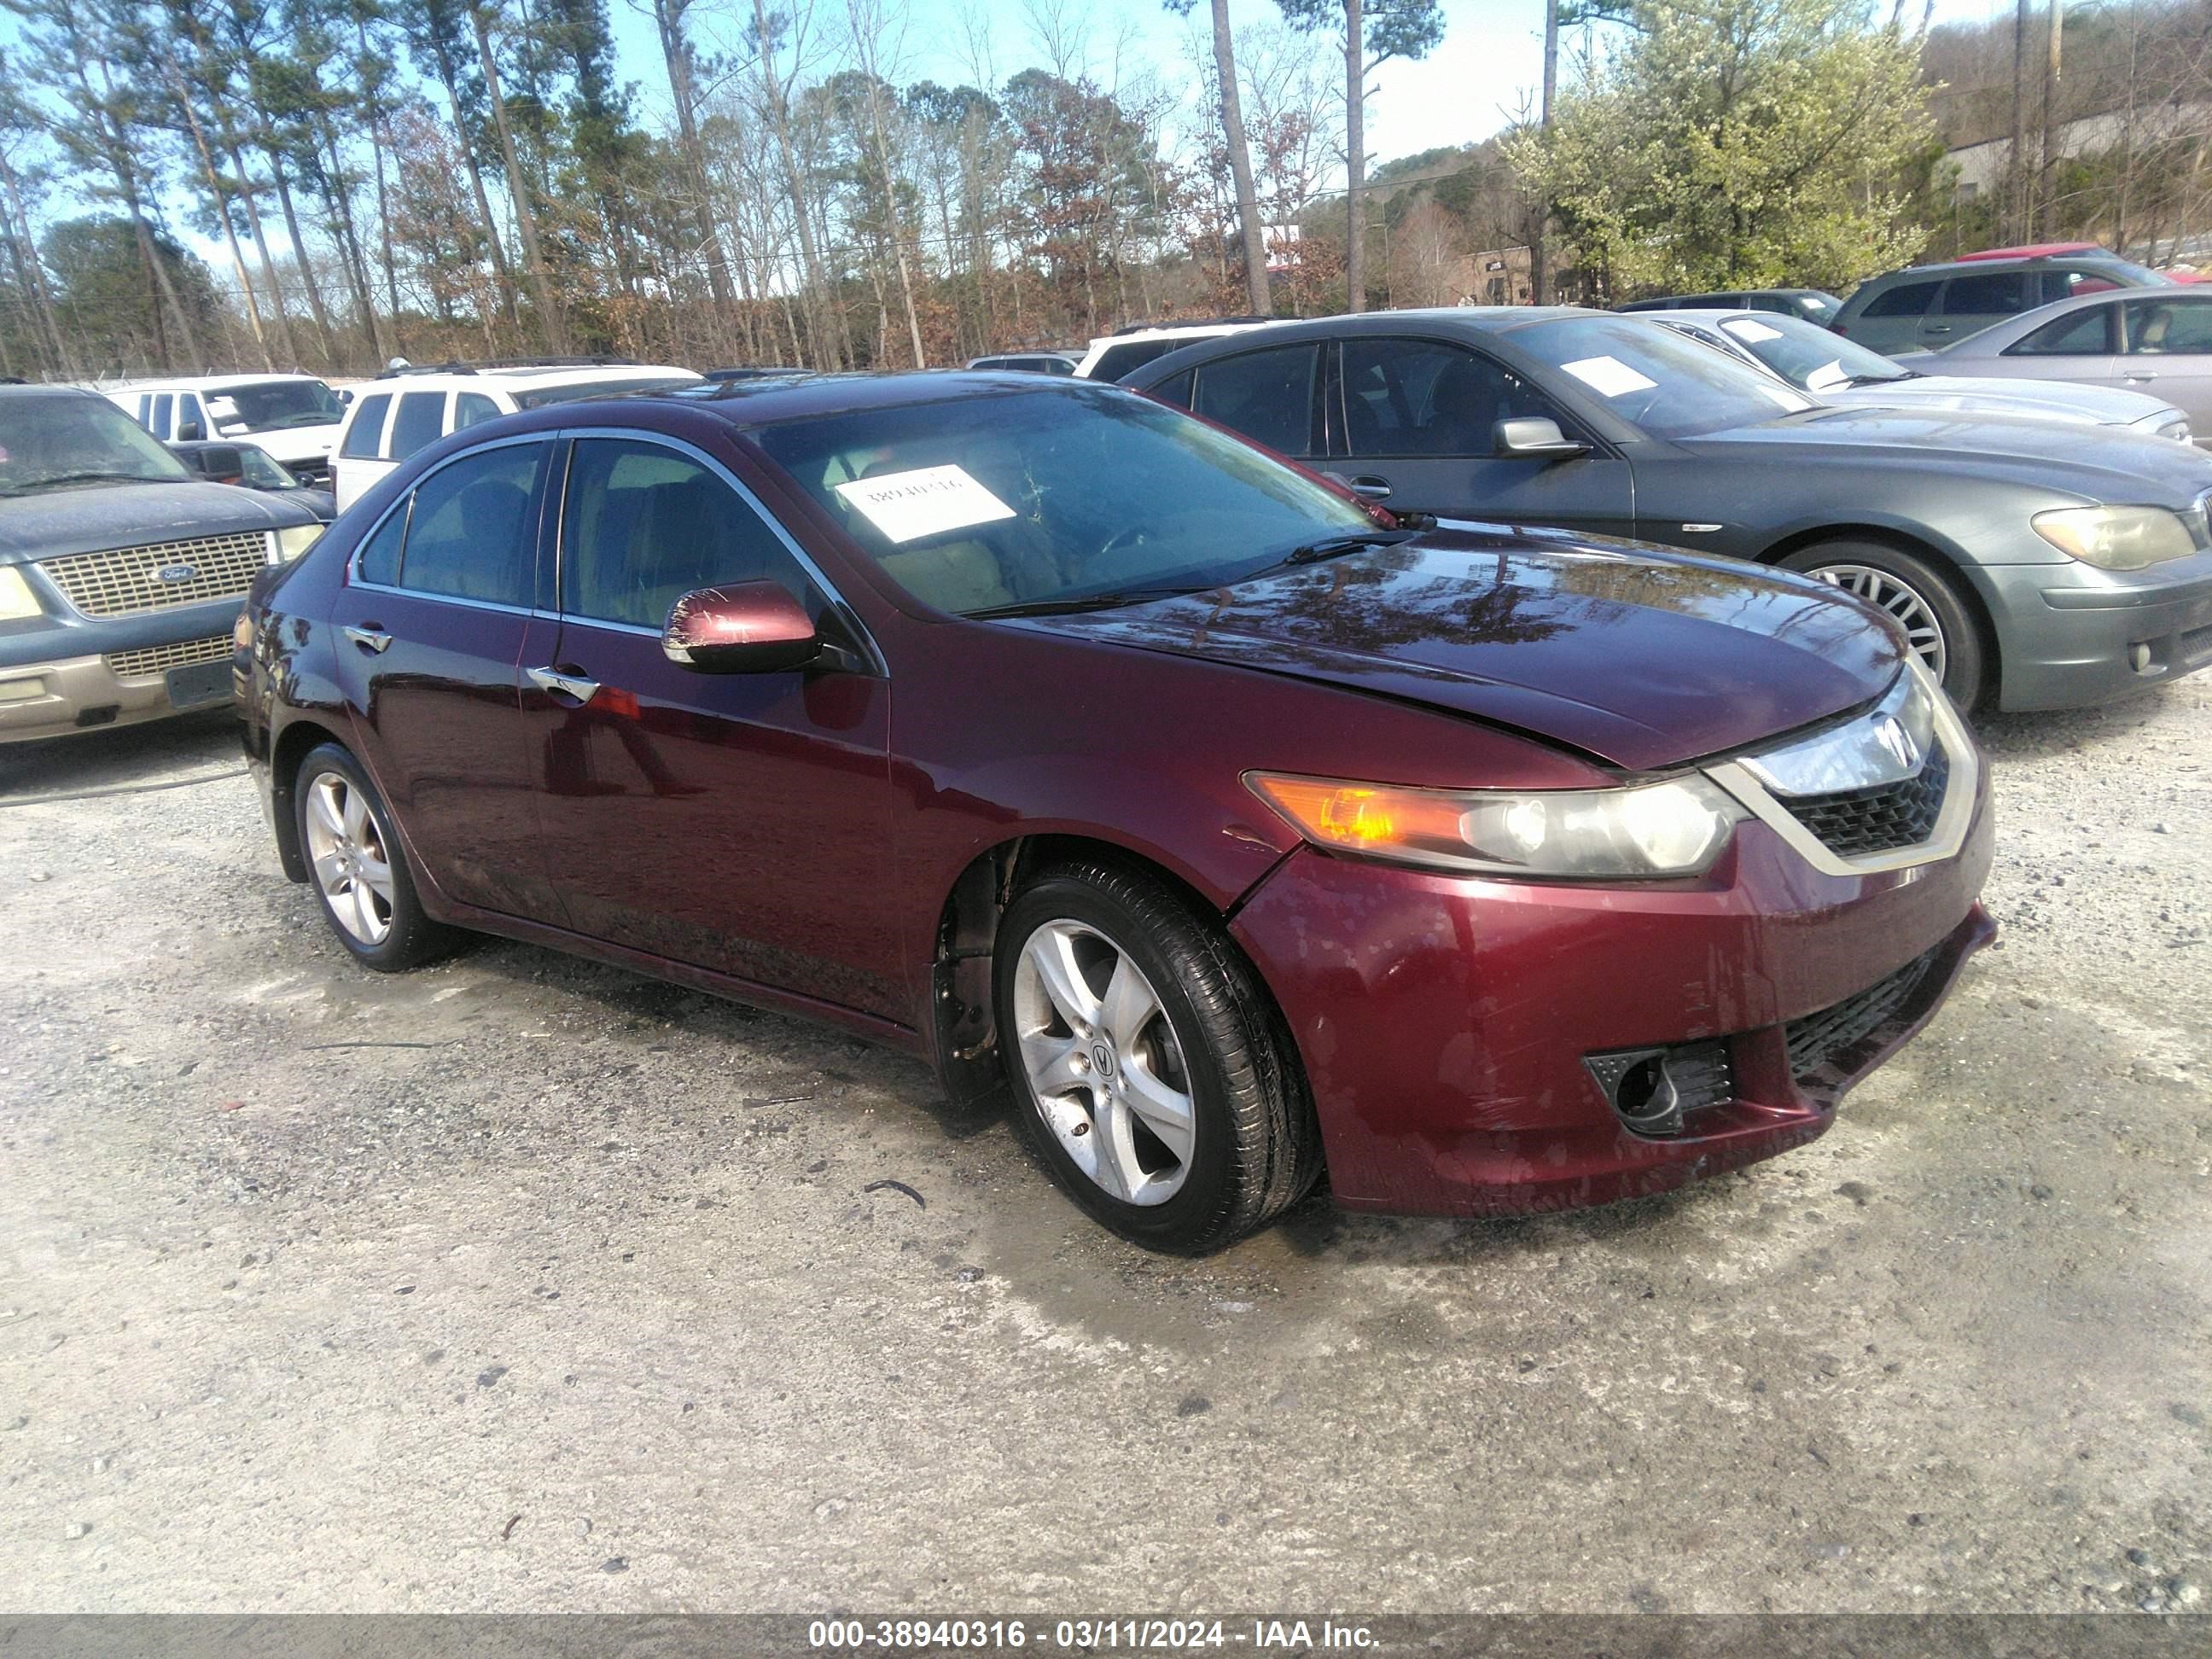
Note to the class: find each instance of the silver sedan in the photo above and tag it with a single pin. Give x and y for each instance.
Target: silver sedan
(2154, 341)
(1839, 371)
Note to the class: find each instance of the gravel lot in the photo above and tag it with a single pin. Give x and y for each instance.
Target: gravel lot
(522, 1284)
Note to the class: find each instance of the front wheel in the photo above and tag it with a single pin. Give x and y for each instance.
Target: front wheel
(1928, 604)
(357, 867)
(1150, 1069)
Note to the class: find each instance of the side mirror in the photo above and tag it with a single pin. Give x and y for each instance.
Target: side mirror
(346, 394)
(190, 432)
(747, 628)
(1535, 438)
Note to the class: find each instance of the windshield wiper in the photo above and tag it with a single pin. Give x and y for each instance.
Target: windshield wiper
(1350, 542)
(1883, 380)
(1074, 603)
(62, 478)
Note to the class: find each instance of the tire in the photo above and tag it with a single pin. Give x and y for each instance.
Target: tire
(343, 827)
(1918, 594)
(1195, 1025)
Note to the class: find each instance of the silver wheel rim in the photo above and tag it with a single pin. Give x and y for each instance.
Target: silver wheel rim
(1106, 1070)
(1916, 615)
(347, 852)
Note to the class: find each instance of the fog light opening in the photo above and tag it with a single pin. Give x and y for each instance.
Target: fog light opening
(100, 716)
(2139, 657)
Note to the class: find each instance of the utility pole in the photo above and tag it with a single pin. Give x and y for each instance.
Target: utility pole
(2051, 137)
(1540, 274)
(2016, 158)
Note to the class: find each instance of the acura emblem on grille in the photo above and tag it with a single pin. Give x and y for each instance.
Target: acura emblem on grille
(173, 574)
(1889, 731)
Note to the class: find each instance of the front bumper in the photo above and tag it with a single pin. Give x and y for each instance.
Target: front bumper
(1445, 1022)
(2069, 635)
(56, 679)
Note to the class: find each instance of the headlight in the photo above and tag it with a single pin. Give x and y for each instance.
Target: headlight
(1672, 829)
(2177, 430)
(295, 540)
(16, 599)
(2117, 537)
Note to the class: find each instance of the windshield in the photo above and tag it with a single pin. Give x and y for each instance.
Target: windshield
(274, 407)
(538, 396)
(1654, 378)
(257, 469)
(60, 442)
(1808, 356)
(1030, 497)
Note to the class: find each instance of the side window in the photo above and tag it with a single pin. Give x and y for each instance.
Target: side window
(421, 421)
(146, 409)
(471, 534)
(188, 415)
(644, 526)
(1996, 293)
(361, 439)
(2072, 284)
(378, 557)
(1176, 390)
(1423, 397)
(2169, 327)
(163, 403)
(473, 408)
(1268, 396)
(1116, 360)
(2084, 334)
(1906, 299)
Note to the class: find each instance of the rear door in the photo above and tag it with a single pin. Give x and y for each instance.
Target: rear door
(1273, 396)
(2167, 340)
(1415, 423)
(439, 610)
(1976, 300)
(739, 823)
(1892, 318)
(2082, 346)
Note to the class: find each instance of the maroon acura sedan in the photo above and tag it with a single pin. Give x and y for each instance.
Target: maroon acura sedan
(1239, 833)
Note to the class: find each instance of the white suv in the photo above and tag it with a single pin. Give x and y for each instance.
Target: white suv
(295, 417)
(1113, 356)
(402, 410)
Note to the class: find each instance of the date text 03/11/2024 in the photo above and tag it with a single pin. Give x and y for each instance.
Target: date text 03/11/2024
(1089, 1635)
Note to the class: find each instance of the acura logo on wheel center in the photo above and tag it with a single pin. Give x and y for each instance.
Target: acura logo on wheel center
(1102, 1057)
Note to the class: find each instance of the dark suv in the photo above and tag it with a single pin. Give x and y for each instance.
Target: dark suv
(1924, 307)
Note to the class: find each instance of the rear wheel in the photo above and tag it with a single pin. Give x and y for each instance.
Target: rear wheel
(1929, 604)
(357, 868)
(1151, 1070)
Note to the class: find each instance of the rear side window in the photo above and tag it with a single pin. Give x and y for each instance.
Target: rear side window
(163, 403)
(1268, 396)
(1996, 294)
(1906, 299)
(472, 409)
(470, 533)
(378, 557)
(1116, 360)
(421, 421)
(368, 427)
(1175, 390)
(2084, 334)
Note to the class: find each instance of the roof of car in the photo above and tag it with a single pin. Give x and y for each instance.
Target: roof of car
(21, 389)
(1980, 264)
(208, 382)
(443, 379)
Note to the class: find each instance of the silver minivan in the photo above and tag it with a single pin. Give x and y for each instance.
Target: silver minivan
(1926, 307)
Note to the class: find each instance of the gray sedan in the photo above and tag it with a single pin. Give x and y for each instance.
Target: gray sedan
(2155, 341)
(2030, 564)
(1838, 371)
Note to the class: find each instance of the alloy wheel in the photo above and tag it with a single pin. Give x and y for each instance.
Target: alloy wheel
(1922, 631)
(351, 865)
(1103, 1061)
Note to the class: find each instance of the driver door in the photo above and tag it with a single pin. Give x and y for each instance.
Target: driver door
(739, 823)
(1416, 433)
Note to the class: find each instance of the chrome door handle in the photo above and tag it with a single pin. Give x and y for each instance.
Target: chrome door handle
(1939, 328)
(573, 685)
(371, 638)
(1370, 488)
(2139, 376)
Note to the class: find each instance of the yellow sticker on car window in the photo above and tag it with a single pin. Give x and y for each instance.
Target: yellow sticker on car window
(927, 501)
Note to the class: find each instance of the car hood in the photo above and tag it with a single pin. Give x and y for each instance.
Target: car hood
(1979, 394)
(101, 516)
(2091, 462)
(1641, 659)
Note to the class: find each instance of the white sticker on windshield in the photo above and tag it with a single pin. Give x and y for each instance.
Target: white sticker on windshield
(1752, 333)
(1829, 376)
(908, 505)
(1608, 376)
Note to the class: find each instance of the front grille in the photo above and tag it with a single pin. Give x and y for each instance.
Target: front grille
(1822, 1039)
(1851, 823)
(161, 658)
(126, 580)
(316, 472)
(2196, 643)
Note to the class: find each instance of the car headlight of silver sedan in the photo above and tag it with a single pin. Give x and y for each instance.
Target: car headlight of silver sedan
(1676, 827)
(2177, 430)
(2117, 537)
(292, 541)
